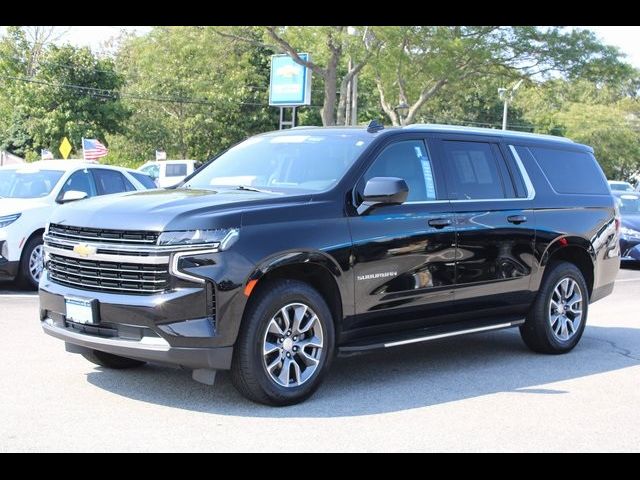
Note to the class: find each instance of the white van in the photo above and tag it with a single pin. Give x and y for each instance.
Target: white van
(167, 173)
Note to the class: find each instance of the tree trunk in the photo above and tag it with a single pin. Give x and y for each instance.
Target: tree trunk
(328, 111)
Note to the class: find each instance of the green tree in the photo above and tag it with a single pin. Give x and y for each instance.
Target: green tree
(61, 91)
(416, 63)
(192, 92)
(604, 117)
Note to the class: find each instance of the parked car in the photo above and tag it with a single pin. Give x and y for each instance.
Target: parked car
(629, 205)
(618, 186)
(168, 173)
(299, 244)
(28, 192)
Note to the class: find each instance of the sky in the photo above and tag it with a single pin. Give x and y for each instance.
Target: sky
(625, 38)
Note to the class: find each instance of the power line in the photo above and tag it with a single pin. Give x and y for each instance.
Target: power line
(115, 94)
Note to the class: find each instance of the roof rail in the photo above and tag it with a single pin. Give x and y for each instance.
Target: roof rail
(485, 131)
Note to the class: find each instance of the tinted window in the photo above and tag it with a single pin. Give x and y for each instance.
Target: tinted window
(473, 171)
(80, 181)
(571, 172)
(175, 169)
(407, 160)
(145, 180)
(110, 181)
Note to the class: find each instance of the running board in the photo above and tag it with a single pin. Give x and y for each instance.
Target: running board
(423, 335)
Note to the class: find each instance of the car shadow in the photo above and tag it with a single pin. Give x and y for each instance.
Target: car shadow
(397, 379)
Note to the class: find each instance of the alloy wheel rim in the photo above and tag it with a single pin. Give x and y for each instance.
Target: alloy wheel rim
(36, 263)
(292, 345)
(566, 309)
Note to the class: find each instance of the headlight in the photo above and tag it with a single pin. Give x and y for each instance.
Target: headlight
(225, 237)
(8, 219)
(629, 232)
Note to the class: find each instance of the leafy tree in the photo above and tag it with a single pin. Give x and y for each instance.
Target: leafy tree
(331, 47)
(600, 116)
(64, 91)
(193, 92)
(415, 63)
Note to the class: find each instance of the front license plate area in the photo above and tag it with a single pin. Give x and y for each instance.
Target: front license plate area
(81, 310)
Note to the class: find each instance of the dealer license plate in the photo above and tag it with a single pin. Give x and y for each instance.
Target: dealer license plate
(79, 310)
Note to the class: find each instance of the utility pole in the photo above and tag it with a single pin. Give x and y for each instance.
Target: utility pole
(506, 95)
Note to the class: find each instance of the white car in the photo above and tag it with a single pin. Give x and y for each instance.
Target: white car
(617, 185)
(30, 191)
(167, 173)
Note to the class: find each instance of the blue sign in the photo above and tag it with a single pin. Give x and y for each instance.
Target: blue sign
(290, 83)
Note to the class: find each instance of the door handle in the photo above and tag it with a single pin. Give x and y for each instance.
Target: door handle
(516, 219)
(439, 222)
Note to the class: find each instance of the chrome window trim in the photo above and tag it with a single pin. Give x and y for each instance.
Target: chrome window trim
(173, 266)
(531, 191)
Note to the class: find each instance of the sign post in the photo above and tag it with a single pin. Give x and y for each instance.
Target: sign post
(289, 86)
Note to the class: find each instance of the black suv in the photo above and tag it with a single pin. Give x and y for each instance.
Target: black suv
(297, 245)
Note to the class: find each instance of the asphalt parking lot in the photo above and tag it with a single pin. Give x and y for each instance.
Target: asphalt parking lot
(484, 392)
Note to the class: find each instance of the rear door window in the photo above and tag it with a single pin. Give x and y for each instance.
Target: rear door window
(473, 171)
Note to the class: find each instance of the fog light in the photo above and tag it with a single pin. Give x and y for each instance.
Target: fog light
(4, 250)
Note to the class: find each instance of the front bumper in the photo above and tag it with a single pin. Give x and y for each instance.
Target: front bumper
(160, 352)
(166, 328)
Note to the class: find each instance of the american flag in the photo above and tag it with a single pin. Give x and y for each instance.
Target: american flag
(92, 149)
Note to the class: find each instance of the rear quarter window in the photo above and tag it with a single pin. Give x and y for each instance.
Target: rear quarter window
(570, 171)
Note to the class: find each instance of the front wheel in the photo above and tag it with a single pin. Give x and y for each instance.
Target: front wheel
(285, 345)
(559, 314)
(32, 263)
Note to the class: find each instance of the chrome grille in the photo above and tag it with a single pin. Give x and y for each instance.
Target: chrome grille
(113, 277)
(121, 237)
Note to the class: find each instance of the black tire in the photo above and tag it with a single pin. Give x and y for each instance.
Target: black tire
(537, 331)
(109, 360)
(248, 372)
(25, 279)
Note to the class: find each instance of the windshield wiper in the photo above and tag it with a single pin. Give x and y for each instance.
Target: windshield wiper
(252, 189)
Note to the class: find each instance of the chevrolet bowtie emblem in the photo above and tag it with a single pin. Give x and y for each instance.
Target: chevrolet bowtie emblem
(84, 250)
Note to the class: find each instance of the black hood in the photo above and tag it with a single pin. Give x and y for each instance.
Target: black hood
(173, 209)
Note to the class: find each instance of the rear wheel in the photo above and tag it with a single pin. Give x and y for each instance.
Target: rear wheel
(109, 360)
(32, 263)
(559, 314)
(285, 345)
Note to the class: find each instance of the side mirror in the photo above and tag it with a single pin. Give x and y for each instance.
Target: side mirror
(72, 196)
(383, 191)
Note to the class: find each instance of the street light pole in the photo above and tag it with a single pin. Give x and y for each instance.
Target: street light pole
(506, 94)
(504, 114)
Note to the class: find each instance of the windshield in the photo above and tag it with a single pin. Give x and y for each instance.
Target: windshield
(629, 204)
(27, 183)
(304, 162)
(621, 186)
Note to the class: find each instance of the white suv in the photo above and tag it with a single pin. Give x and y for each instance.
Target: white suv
(29, 192)
(167, 173)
